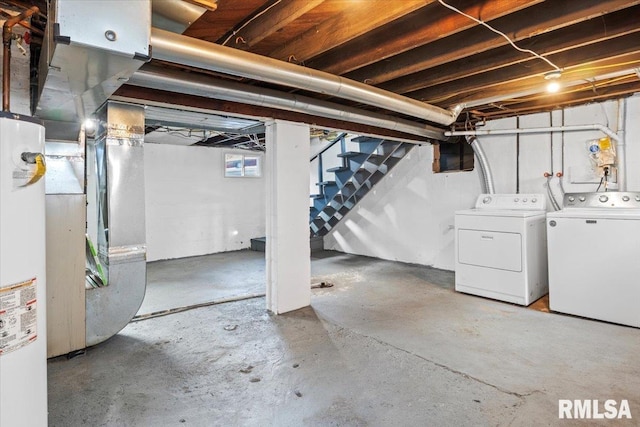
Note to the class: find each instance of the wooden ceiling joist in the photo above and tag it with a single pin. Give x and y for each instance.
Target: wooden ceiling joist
(346, 26)
(269, 20)
(409, 32)
(583, 73)
(518, 26)
(579, 35)
(610, 48)
(563, 99)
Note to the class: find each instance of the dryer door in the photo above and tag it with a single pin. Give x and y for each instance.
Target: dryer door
(492, 249)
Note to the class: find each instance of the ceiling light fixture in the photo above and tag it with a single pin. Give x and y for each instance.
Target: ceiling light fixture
(553, 77)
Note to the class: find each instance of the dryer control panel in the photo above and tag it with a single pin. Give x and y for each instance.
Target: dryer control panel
(608, 199)
(529, 202)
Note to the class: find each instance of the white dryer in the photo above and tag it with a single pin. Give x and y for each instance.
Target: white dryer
(500, 248)
(594, 257)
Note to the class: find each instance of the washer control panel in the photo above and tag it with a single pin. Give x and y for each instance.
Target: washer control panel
(530, 202)
(609, 199)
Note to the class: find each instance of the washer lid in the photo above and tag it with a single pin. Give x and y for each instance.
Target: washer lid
(502, 213)
(620, 213)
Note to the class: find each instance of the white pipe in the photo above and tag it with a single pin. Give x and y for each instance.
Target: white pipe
(485, 170)
(185, 50)
(573, 128)
(175, 81)
(621, 145)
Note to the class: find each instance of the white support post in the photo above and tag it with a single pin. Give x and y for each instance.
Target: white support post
(287, 253)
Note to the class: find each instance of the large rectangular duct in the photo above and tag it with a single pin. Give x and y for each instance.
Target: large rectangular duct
(91, 48)
(121, 221)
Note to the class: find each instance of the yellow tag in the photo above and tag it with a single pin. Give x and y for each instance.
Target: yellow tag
(41, 168)
(605, 143)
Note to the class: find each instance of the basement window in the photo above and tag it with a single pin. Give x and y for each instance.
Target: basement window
(453, 157)
(242, 165)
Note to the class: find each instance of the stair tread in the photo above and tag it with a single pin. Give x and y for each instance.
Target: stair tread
(365, 169)
(352, 154)
(367, 139)
(338, 169)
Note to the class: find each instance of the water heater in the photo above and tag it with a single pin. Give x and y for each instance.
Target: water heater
(23, 341)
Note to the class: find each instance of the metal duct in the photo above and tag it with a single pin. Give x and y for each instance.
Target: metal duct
(189, 51)
(176, 81)
(485, 170)
(174, 15)
(121, 221)
(90, 49)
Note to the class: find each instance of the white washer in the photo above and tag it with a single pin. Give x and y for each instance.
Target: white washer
(594, 257)
(501, 248)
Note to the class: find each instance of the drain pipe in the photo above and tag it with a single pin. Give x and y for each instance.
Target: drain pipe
(599, 127)
(621, 145)
(7, 29)
(485, 170)
(179, 49)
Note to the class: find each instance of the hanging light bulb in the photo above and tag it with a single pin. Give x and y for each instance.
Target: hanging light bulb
(553, 78)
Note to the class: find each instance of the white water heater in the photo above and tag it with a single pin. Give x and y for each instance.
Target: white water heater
(23, 340)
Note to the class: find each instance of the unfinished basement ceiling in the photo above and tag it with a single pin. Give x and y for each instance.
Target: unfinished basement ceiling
(421, 49)
(426, 51)
(186, 127)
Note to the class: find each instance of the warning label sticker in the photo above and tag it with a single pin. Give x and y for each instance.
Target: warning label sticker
(18, 315)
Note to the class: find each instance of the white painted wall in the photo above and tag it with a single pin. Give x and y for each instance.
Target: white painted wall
(192, 209)
(409, 215)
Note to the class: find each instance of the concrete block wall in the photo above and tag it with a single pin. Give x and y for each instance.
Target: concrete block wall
(409, 216)
(192, 209)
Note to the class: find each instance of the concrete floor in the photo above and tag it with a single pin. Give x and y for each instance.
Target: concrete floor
(389, 345)
(187, 281)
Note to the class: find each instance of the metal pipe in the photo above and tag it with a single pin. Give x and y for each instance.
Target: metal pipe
(6, 51)
(174, 15)
(599, 127)
(23, 24)
(485, 170)
(175, 81)
(185, 50)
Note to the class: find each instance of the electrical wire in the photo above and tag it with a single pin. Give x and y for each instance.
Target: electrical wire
(234, 32)
(600, 185)
(479, 21)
